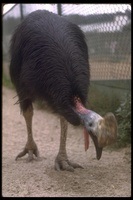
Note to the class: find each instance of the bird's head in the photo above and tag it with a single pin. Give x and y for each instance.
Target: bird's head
(103, 130)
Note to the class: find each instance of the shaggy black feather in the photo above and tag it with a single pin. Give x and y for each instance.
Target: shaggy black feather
(49, 60)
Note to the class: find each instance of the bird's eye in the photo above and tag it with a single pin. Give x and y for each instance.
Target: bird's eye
(90, 124)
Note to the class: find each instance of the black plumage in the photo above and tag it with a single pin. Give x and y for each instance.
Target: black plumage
(49, 60)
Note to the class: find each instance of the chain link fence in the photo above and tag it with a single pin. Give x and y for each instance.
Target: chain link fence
(107, 28)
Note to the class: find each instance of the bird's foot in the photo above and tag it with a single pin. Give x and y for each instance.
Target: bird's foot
(31, 149)
(62, 163)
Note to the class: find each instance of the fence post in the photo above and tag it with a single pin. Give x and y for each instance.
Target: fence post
(59, 9)
(21, 11)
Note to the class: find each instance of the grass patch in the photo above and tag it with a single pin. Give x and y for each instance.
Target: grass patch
(101, 102)
(7, 82)
(123, 114)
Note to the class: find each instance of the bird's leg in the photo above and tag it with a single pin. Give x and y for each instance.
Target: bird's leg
(30, 147)
(61, 161)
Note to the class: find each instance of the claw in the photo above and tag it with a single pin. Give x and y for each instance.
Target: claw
(36, 152)
(75, 165)
(65, 165)
(30, 154)
(21, 154)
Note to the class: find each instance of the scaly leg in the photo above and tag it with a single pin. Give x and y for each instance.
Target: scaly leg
(61, 161)
(31, 147)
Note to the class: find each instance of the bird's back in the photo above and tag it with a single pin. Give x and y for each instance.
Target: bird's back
(49, 57)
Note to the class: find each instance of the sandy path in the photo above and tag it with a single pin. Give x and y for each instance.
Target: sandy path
(111, 176)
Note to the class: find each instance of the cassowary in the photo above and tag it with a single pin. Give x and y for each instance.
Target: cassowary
(49, 61)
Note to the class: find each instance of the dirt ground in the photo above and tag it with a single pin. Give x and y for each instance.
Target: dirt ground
(108, 177)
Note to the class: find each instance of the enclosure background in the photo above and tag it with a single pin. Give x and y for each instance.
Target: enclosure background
(107, 28)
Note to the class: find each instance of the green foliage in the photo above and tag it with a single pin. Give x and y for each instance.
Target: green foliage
(102, 102)
(7, 82)
(123, 114)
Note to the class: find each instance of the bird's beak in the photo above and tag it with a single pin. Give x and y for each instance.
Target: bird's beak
(103, 130)
(95, 140)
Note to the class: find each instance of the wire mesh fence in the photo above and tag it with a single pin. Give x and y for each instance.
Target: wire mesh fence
(107, 28)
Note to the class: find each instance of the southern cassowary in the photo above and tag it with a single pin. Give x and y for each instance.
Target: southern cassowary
(49, 61)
